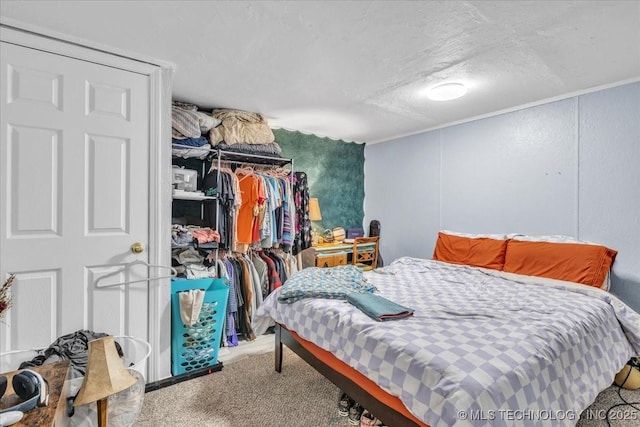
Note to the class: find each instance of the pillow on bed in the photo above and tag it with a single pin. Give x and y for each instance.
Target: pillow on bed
(559, 238)
(476, 251)
(584, 263)
(476, 235)
(553, 238)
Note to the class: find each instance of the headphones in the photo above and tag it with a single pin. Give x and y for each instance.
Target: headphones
(30, 387)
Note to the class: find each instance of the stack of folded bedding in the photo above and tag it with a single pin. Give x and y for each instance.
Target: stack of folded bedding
(188, 122)
(189, 128)
(195, 133)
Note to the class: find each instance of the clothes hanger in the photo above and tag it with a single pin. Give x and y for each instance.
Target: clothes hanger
(281, 172)
(173, 273)
(225, 166)
(246, 169)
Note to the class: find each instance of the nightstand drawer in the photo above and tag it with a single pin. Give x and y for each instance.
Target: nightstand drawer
(340, 259)
(331, 260)
(324, 261)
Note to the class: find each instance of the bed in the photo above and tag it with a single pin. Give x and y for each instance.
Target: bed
(484, 346)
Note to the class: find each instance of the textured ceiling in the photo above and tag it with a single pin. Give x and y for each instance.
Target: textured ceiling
(355, 70)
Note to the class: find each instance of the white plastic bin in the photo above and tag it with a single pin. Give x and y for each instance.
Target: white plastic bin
(123, 408)
(136, 352)
(11, 360)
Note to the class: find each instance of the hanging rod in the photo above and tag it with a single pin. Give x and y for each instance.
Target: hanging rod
(256, 156)
(242, 162)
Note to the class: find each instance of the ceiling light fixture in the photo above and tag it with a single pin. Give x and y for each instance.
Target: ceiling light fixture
(446, 91)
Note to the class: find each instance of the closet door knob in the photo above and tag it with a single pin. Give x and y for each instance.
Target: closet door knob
(137, 248)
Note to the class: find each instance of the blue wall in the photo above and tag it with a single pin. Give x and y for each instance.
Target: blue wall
(568, 167)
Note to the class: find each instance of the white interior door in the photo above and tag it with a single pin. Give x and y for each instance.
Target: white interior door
(74, 196)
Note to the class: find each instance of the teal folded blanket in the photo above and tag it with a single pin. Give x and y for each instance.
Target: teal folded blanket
(377, 307)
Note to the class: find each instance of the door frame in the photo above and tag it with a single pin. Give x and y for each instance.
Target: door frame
(159, 75)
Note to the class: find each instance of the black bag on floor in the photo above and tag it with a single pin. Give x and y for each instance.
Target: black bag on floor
(374, 230)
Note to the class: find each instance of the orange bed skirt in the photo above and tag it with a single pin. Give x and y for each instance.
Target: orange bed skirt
(365, 383)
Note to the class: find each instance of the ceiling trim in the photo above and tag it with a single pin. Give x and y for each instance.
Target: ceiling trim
(516, 108)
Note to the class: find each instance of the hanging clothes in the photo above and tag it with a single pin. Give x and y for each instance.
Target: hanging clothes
(255, 282)
(272, 272)
(302, 238)
(249, 190)
(252, 277)
(261, 268)
(250, 303)
(218, 213)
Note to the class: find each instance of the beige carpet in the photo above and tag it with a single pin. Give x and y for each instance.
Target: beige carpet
(249, 393)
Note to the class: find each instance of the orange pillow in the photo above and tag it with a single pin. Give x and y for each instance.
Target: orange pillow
(574, 262)
(479, 252)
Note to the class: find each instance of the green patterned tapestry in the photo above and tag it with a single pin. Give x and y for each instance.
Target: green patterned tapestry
(335, 171)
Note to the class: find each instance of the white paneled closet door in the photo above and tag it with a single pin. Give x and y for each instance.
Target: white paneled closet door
(74, 196)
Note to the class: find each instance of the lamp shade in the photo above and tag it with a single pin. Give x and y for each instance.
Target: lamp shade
(106, 373)
(314, 209)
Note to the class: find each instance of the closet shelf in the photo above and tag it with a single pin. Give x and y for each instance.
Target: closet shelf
(251, 158)
(190, 195)
(234, 156)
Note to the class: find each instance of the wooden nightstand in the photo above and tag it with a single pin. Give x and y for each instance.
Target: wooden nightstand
(55, 374)
(329, 254)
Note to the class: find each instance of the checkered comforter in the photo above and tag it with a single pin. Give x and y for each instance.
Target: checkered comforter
(482, 349)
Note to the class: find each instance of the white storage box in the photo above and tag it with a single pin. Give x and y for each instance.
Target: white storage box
(185, 179)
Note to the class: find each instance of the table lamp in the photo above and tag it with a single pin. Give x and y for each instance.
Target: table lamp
(106, 375)
(314, 215)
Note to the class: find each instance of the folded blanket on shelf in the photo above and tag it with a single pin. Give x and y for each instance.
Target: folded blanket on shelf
(191, 142)
(184, 105)
(271, 149)
(197, 152)
(378, 307)
(190, 123)
(239, 127)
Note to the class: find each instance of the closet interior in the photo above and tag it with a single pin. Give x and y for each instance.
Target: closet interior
(239, 209)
